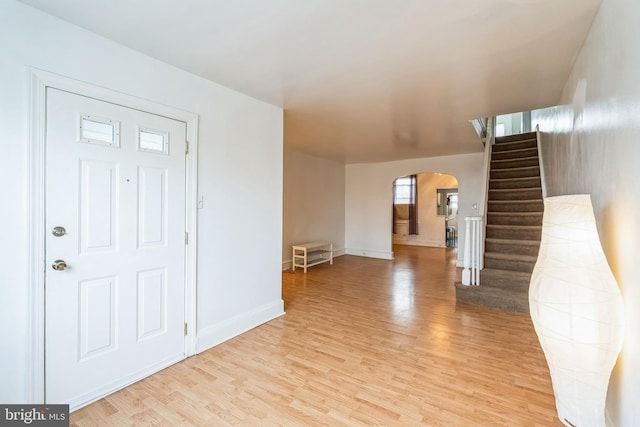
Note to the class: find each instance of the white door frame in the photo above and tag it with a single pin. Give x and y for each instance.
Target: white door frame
(40, 81)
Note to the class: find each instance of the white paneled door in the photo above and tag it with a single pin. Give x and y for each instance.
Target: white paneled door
(115, 246)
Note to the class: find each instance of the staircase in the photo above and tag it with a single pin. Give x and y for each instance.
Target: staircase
(514, 226)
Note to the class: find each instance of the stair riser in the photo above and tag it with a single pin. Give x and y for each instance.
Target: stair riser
(514, 163)
(533, 172)
(511, 265)
(506, 155)
(504, 282)
(532, 182)
(512, 249)
(516, 304)
(532, 219)
(498, 232)
(536, 206)
(516, 194)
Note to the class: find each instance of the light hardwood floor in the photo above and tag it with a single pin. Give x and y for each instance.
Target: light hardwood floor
(364, 342)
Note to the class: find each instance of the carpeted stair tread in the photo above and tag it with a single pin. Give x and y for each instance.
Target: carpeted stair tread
(516, 214)
(515, 226)
(524, 168)
(520, 172)
(521, 242)
(515, 153)
(510, 262)
(509, 183)
(514, 202)
(515, 162)
(510, 257)
(515, 145)
(504, 274)
(514, 232)
(512, 246)
(496, 278)
(515, 300)
(514, 218)
(515, 193)
(516, 137)
(534, 205)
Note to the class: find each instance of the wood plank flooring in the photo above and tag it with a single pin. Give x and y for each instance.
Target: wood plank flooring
(364, 342)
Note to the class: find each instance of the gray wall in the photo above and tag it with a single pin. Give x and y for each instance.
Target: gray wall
(592, 145)
(313, 202)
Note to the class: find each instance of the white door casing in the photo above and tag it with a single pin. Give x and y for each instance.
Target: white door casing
(116, 314)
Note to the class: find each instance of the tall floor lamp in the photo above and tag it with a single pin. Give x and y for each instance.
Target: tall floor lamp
(576, 308)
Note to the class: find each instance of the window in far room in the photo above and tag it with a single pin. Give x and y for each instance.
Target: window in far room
(403, 191)
(405, 201)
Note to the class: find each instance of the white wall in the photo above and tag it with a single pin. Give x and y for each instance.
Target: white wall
(594, 147)
(431, 226)
(512, 123)
(240, 178)
(313, 202)
(368, 195)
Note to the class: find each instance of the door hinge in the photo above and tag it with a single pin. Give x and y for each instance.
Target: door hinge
(186, 329)
(186, 147)
(186, 237)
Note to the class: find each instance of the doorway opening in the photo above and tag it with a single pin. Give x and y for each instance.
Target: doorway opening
(448, 207)
(425, 210)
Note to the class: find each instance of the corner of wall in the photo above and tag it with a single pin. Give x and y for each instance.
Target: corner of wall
(223, 331)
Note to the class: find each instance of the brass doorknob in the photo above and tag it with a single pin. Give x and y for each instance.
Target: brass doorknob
(59, 265)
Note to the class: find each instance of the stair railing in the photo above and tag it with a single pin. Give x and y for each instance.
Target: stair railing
(540, 162)
(475, 225)
(486, 166)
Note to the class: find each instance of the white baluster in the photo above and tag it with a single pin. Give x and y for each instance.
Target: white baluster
(472, 251)
(466, 274)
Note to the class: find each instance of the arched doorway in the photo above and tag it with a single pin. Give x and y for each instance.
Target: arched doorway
(433, 219)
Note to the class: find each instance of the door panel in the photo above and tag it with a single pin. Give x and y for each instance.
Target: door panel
(152, 310)
(115, 180)
(98, 200)
(97, 316)
(153, 205)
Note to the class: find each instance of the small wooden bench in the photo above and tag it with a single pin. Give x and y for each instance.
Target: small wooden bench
(309, 254)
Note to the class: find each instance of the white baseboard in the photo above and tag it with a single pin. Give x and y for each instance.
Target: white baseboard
(369, 253)
(429, 243)
(286, 265)
(227, 329)
(85, 399)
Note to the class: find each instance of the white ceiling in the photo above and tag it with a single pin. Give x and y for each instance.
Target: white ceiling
(360, 80)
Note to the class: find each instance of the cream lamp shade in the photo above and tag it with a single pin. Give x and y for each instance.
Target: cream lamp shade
(576, 309)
